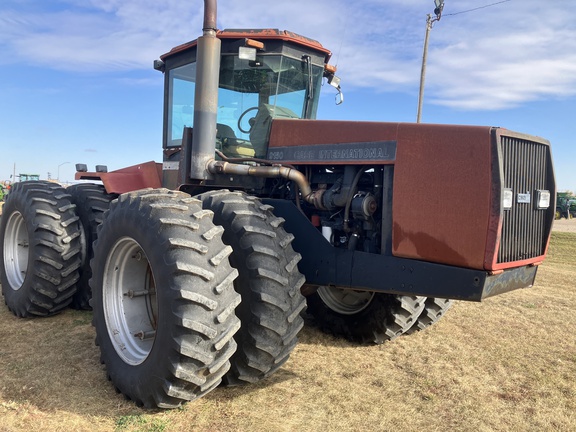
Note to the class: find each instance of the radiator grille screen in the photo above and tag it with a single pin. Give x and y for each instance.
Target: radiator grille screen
(525, 228)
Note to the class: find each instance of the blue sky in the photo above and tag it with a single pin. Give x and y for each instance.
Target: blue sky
(77, 84)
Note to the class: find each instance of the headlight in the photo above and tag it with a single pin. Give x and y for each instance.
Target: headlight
(542, 199)
(507, 197)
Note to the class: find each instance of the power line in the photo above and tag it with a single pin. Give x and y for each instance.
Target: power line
(475, 9)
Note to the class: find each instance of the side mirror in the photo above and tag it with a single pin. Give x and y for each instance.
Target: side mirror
(334, 81)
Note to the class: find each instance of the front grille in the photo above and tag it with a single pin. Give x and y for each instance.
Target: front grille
(527, 168)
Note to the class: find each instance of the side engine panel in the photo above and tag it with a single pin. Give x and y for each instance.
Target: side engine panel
(445, 208)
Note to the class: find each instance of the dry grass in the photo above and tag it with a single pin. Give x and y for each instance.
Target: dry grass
(507, 364)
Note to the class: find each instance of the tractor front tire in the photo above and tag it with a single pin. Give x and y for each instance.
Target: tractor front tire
(163, 298)
(434, 309)
(269, 283)
(40, 253)
(91, 201)
(363, 316)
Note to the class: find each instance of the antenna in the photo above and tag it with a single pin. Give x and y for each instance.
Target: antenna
(341, 41)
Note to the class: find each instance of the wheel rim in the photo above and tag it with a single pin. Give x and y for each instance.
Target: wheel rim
(129, 301)
(344, 301)
(16, 250)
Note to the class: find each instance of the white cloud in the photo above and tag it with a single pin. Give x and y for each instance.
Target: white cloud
(525, 52)
(493, 58)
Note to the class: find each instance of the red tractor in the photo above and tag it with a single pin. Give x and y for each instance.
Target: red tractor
(198, 269)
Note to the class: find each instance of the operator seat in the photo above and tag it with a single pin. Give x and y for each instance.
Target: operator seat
(230, 145)
(224, 133)
(260, 131)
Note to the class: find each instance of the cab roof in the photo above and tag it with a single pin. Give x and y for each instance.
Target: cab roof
(258, 34)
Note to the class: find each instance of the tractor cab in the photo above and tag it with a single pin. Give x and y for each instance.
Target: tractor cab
(264, 74)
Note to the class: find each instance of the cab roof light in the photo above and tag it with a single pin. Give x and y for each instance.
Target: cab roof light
(253, 44)
(330, 68)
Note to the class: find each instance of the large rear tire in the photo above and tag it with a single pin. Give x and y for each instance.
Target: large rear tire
(40, 253)
(362, 316)
(269, 283)
(91, 201)
(163, 298)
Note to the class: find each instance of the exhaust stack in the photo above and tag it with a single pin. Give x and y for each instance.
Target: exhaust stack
(205, 96)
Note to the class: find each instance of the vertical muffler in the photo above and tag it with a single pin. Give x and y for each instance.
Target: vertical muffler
(205, 96)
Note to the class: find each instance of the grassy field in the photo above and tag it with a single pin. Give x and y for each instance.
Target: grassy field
(508, 364)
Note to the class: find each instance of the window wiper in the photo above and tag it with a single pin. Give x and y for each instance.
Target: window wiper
(310, 85)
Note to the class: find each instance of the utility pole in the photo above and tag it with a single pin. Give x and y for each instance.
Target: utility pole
(429, 23)
(58, 172)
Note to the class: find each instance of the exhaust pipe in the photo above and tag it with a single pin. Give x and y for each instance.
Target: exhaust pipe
(205, 96)
(203, 166)
(210, 9)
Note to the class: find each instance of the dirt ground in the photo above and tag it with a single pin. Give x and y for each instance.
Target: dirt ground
(564, 225)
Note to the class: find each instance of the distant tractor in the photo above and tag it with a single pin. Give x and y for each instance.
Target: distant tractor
(199, 268)
(28, 177)
(565, 205)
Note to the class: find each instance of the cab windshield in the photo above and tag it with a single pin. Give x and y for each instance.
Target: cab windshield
(251, 94)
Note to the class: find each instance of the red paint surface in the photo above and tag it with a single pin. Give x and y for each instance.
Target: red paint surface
(141, 176)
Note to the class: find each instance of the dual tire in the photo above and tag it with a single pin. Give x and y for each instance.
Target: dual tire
(91, 201)
(368, 317)
(163, 298)
(41, 249)
(189, 292)
(269, 283)
(362, 316)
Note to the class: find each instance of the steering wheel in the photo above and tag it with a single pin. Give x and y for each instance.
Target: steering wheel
(242, 116)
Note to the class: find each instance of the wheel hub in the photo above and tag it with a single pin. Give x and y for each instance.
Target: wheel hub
(16, 250)
(129, 301)
(345, 301)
